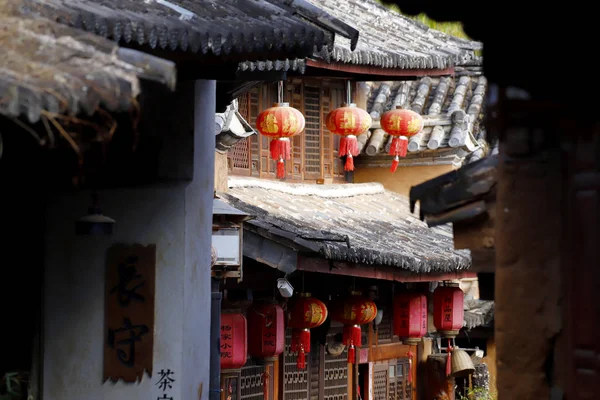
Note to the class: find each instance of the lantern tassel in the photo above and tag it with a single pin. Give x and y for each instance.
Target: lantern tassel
(399, 146)
(348, 146)
(280, 148)
(266, 384)
(352, 334)
(449, 360)
(395, 163)
(301, 359)
(349, 165)
(280, 169)
(351, 354)
(410, 356)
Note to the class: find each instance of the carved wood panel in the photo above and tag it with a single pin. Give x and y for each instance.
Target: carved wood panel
(251, 381)
(129, 312)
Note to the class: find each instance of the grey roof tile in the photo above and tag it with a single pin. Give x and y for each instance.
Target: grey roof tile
(377, 223)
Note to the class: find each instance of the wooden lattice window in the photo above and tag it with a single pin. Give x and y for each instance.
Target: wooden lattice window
(384, 329)
(251, 381)
(314, 151)
(312, 133)
(390, 380)
(296, 382)
(335, 377)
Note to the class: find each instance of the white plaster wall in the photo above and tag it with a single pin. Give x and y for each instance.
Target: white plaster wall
(74, 291)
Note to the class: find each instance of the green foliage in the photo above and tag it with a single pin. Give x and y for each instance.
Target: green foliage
(450, 28)
(477, 394)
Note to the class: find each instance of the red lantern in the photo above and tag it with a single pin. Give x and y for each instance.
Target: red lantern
(234, 343)
(401, 124)
(353, 311)
(348, 121)
(448, 311)
(305, 312)
(280, 123)
(266, 331)
(410, 317)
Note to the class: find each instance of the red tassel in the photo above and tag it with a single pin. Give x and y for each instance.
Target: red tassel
(351, 354)
(349, 166)
(280, 148)
(399, 146)
(395, 163)
(280, 169)
(352, 334)
(410, 356)
(449, 360)
(301, 360)
(266, 384)
(348, 146)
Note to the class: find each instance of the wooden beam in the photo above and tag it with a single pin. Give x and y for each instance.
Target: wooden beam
(390, 351)
(369, 70)
(317, 264)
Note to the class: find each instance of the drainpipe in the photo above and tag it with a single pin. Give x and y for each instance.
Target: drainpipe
(215, 341)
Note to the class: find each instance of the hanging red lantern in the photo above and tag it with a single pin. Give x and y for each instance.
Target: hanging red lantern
(401, 124)
(280, 123)
(448, 309)
(305, 312)
(234, 343)
(348, 121)
(353, 311)
(266, 331)
(410, 317)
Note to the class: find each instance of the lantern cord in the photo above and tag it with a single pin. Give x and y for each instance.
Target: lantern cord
(348, 92)
(280, 91)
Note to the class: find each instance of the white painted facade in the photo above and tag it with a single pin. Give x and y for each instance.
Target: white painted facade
(176, 218)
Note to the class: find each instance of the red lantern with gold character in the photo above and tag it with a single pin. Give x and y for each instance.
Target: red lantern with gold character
(410, 317)
(353, 311)
(348, 121)
(266, 331)
(401, 124)
(305, 312)
(234, 343)
(448, 309)
(280, 123)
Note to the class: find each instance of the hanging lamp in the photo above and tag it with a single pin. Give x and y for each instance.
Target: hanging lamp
(401, 124)
(348, 121)
(280, 123)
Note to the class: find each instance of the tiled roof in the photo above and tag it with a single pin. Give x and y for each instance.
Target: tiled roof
(452, 109)
(49, 67)
(458, 195)
(360, 223)
(209, 27)
(387, 40)
(478, 313)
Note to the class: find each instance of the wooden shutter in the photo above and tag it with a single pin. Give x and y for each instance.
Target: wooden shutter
(294, 169)
(337, 94)
(380, 381)
(312, 133)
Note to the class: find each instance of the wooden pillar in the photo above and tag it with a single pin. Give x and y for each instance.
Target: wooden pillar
(528, 247)
(581, 256)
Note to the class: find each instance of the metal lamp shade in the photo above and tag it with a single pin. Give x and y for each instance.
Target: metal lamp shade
(462, 365)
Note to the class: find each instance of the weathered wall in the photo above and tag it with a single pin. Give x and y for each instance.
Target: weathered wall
(177, 218)
(74, 290)
(401, 180)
